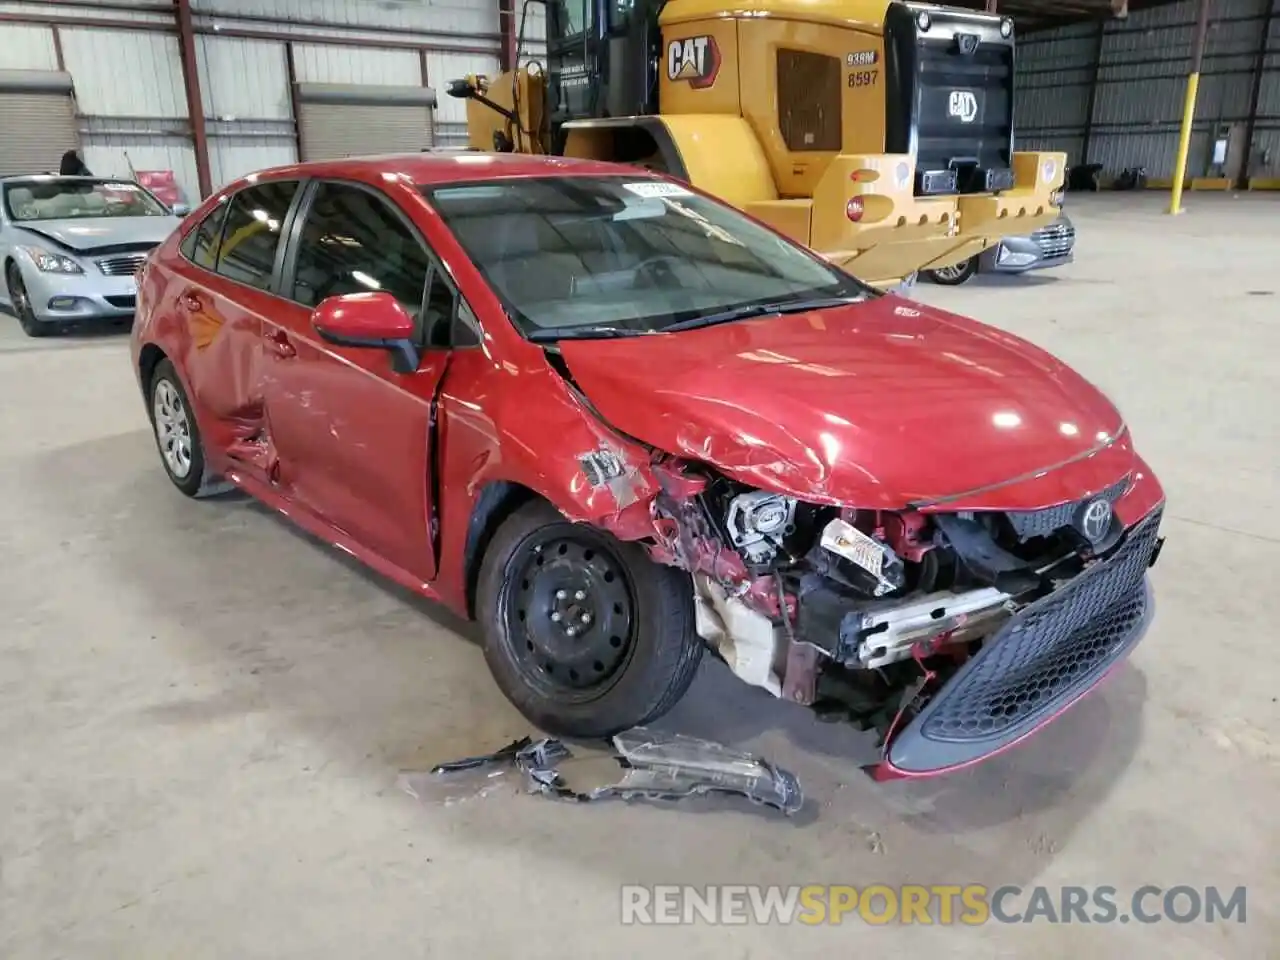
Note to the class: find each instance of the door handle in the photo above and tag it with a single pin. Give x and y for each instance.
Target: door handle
(278, 342)
(191, 302)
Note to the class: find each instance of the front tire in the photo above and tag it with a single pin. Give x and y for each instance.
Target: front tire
(21, 303)
(954, 275)
(178, 436)
(584, 634)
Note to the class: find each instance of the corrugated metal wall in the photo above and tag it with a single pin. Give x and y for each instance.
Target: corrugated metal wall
(1141, 67)
(129, 80)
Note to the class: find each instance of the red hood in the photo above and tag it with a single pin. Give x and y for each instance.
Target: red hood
(878, 404)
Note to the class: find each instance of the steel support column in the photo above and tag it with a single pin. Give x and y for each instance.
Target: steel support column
(991, 6)
(195, 102)
(508, 33)
(291, 78)
(1259, 70)
(1092, 100)
(1189, 108)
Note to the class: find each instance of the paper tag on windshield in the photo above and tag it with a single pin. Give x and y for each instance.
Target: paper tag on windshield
(651, 189)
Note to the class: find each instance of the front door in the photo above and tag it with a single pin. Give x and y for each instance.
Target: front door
(352, 437)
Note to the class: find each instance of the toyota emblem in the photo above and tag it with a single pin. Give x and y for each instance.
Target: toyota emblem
(1095, 521)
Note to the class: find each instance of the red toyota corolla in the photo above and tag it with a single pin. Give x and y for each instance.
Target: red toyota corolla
(619, 422)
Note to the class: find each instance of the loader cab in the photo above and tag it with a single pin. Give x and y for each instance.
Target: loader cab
(602, 60)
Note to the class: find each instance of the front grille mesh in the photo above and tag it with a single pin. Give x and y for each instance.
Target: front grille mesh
(125, 265)
(810, 92)
(1055, 240)
(1051, 651)
(1041, 523)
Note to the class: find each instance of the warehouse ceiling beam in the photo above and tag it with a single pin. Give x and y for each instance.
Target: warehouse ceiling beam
(195, 102)
(1189, 108)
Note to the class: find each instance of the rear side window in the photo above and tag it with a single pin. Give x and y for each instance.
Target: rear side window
(353, 242)
(255, 218)
(201, 245)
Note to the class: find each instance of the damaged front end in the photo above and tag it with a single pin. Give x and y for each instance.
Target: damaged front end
(952, 634)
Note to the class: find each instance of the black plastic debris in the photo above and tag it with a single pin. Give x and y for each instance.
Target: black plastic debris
(652, 765)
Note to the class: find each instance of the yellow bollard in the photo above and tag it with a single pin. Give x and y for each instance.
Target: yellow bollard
(1189, 108)
(1184, 144)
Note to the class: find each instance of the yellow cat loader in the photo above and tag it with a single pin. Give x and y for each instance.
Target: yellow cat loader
(879, 133)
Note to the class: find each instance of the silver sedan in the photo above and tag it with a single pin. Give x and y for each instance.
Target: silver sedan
(1050, 246)
(70, 247)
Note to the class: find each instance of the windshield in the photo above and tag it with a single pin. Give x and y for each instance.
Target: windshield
(56, 199)
(611, 256)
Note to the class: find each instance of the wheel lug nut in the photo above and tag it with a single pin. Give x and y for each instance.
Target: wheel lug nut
(555, 616)
(586, 618)
(561, 594)
(580, 595)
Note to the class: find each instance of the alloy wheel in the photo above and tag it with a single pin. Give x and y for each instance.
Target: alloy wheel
(173, 428)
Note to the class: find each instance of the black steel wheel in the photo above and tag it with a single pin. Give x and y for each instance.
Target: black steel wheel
(584, 634)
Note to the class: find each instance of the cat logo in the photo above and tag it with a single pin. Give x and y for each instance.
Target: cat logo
(695, 59)
(962, 105)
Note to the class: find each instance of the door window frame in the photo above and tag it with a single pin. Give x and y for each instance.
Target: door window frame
(288, 263)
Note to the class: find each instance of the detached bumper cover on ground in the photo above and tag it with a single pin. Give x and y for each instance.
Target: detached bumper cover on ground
(654, 765)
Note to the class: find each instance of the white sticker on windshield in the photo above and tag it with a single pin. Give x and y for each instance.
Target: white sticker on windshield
(122, 187)
(650, 189)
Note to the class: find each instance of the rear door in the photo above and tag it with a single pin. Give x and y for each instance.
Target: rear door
(219, 297)
(352, 435)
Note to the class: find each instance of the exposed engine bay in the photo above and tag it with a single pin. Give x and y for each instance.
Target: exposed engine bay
(861, 613)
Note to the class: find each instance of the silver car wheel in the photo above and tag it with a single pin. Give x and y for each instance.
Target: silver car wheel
(953, 272)
(173, 428)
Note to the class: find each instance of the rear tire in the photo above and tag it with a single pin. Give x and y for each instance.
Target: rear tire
(178, 436)
(584, 634)
(954, 275)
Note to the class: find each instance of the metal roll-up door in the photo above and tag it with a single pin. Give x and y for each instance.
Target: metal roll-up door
(37, 121)
(341, 120)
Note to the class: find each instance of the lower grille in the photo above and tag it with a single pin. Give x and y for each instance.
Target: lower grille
(122, 302)
(1051, 651)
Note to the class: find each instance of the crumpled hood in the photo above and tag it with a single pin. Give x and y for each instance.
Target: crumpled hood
(878, 404)
(89, 233)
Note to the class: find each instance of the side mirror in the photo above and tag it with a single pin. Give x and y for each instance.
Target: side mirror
(181, 209)
(369, 320)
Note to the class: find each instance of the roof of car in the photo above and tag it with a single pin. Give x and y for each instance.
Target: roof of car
(432, 168)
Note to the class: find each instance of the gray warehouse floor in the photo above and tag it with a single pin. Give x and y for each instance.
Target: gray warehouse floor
(202, 713)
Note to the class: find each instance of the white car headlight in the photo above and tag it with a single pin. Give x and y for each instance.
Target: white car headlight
(47, 262)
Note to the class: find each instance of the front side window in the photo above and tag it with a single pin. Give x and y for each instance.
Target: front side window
(353, 242)
(247, 253)
(608, 256)
(58, 198)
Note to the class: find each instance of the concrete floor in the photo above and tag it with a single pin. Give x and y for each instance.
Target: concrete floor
(202, 713)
